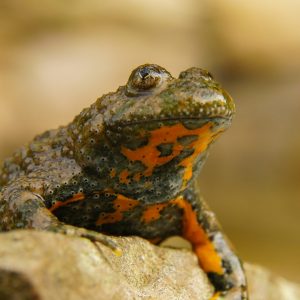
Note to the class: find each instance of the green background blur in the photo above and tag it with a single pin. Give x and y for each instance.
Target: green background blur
(57, 57)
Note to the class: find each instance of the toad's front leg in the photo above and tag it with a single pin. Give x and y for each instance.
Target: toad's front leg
(21, 207)
(214, 252)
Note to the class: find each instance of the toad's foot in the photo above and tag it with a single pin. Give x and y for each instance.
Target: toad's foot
(88, 234)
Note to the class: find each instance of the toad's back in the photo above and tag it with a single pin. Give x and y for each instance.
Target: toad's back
(126, 166)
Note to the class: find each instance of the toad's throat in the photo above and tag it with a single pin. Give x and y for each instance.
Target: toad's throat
(150, 156)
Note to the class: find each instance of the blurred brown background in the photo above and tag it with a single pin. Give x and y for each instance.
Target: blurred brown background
(57, 57)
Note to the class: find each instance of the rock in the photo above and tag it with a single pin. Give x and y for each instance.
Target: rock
(44, 266)
(263, 285)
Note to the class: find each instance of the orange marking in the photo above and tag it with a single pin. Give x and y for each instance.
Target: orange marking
(76, 197)
(152, 212)
(215, 296)
(121, 204)
(112, 173)
(137, 176)
(209, 259)
(149, 155)
(199, 146)
(124, 176)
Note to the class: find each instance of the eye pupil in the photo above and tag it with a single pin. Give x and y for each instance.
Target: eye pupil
(144, 73)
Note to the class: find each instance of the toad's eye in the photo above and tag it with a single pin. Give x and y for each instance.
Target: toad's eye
(145, 78)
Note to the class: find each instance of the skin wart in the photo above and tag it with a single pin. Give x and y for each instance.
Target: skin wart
(127, 166)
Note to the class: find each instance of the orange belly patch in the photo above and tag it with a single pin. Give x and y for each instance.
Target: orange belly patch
(149, 155)
(121, 205)
(152, 212)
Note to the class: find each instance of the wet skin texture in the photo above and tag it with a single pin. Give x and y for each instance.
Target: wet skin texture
(127, 166)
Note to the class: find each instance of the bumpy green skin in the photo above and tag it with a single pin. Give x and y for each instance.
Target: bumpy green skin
(94, 176)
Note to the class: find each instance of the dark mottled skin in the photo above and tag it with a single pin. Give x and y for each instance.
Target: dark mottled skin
(126, 166)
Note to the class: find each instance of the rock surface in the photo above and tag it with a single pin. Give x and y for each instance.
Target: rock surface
(263, 285)
(44, 266)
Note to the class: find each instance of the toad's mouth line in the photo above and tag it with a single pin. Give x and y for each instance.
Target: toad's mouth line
(180, 119)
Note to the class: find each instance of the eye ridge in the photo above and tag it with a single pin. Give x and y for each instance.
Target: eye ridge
(145, 78)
